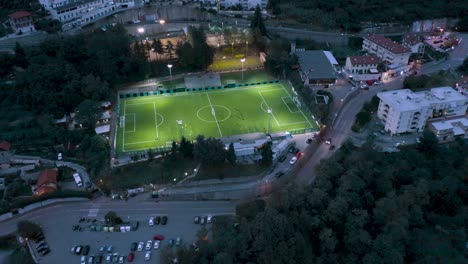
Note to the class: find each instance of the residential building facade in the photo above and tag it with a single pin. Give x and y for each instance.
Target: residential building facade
(361, 64)
(414, 42)
(386, 50)
(450, 129)
(407, 111)
(21, 22)
(246, 4)
(76, 13)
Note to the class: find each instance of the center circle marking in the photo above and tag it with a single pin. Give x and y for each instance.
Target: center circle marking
(214, 106)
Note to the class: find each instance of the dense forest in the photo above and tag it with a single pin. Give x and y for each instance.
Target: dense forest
(365, 206)
(349, 14)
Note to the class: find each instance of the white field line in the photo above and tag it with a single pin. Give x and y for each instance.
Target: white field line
(216, 119)
(294, 123)
(134, 122)
(123, 134)
(268, 108)
(282, 98)
(156, 120)
(139, 142)
(305, 117)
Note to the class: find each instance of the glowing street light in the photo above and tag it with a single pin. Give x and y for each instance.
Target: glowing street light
(242, 62)
(270, 113)
(170, 70)
(162, 22)
(141, 30)
(247, 48)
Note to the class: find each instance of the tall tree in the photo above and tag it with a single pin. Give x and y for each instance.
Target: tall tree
(267, 155)
(257, 21)
(20, 56)
(169, 49)
(231, 154)
(88, 113)
(158, 47)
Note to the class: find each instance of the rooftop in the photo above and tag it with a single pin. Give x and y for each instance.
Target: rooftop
(388, 44)
(46, 177)
(411, 39)
(407, 100)
(315, 64)
(19, 14)
(366, 60)
(458, 125)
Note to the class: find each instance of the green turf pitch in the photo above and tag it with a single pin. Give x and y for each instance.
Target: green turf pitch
(154, 121)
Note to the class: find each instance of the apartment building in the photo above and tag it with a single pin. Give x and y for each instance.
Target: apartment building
(361, 64)
(21, 22)
(76, 13)
(407, 111)
(414, 42)
(386, 50)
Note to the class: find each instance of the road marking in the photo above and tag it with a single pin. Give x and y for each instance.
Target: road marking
(214, 114)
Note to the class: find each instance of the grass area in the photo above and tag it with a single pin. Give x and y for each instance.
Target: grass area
(235, 64)
(229, 171)
(155, 121)
(156, 171)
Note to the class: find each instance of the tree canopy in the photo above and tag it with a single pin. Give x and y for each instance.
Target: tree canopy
(364, 206)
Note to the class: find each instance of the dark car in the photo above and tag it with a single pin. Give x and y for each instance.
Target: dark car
(42, 249)
(282, 158)
(131, 256)
(332, 147)
(157, 220)
(86, 250)
(291, 149)
(197, 220)
(164, 220)
(296, 150)
(309, 140)
(134, 246)
(279, 174)
(158, 237)
(170, 242)
(45, 252)
(88, 185)
(99, 259)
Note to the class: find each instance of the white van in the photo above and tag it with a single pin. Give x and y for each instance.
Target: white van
(77, 178)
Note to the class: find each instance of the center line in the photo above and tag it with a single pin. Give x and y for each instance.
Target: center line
(216, 119)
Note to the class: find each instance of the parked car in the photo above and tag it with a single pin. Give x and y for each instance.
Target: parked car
(293, 160)
(157, 220)
(134, 246)
(151, 221)
(140, 246)
(59, 156)
(170, 242)
(158, 237)
(282, 158)
(131, 256)
(102, 249)
(291, 149)
(279, 174)
(308, 141)
(115, 257)
(328, 141)
(202, 221)
(121, 259)
(148, 255)
(72, 250)
(196, 220)
(91, 260)
(45, 252)
(86, 250)
(178, 241)
(156, 244)
(209, 219)
(332, 147)
(110, 248)
(109, 258)
(164, 220)
(98, 259)
(43, 243)
(149, 244)
(78, 250)
(83, 260)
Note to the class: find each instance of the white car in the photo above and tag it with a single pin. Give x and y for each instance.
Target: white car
(293, 160)
(108, 258)
(151, 221)
(148, 255)
(83, 259)
(59, 156)
(136, 21)
(209, 219)
(121, 259)
(140, 246)
(156, 244)
(328, 141)
(149, 244)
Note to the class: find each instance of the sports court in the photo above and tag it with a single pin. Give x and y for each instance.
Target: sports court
(156, 120)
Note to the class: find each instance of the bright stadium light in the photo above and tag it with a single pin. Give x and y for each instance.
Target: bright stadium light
(170, 70)
(242, 62)
(162, 22)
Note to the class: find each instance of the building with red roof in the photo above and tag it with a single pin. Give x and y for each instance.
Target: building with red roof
(21, 22)
(361, 64)
(5, 146)
(47, 182)
(414, 42)
(386, 50)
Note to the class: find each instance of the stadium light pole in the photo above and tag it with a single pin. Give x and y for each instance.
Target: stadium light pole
(170, 70)
(247, 48)
(242, 62)
(232, 48)
(270, 113)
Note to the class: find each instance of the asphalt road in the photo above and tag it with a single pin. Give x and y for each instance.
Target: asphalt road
(57, 222)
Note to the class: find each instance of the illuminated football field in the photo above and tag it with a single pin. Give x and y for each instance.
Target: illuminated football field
(156, 120)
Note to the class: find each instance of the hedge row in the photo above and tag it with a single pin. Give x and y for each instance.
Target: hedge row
(22, 202)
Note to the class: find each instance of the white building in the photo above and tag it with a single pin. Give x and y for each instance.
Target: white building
(76, 13)
(406, 111)
(361, 64)
(414, 42)
(387, 50)
(450, 129)
(246, 4)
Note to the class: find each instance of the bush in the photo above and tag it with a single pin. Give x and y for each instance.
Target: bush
(250, 209)
(20, 203)
(28, 229)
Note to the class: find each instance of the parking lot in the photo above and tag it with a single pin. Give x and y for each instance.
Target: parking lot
(57, 223)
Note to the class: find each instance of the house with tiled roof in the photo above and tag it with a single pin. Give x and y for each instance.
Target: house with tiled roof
(47, 182)
(362, 64)
(21, 22)
(414, 42)
(387, 50)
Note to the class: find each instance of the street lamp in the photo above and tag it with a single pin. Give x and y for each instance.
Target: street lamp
(170, 70)
(141, 30)
(247, 48)
(162, 22)
(242, 62)
(232, 48)
(270, 113)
